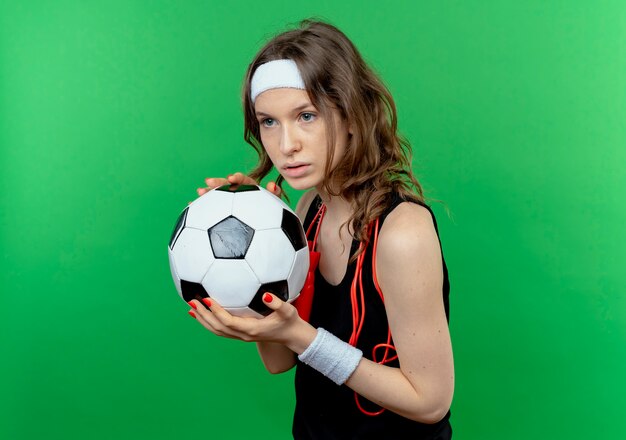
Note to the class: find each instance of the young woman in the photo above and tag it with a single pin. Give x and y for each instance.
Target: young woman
(373, 357)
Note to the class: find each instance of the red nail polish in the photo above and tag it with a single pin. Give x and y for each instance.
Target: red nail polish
(267, 298)
(192, 305)
(192, 314)
(206, 301)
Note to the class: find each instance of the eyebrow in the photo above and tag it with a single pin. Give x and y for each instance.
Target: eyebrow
(294, 110)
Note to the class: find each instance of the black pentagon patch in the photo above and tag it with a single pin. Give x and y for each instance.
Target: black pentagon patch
(237, 188)
(180, 224)
(230, 238)
(292, 228)
(192, 291)
(278, 288)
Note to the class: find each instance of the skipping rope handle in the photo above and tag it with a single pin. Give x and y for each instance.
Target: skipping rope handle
(304, 302)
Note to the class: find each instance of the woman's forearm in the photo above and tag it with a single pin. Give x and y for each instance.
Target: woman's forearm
(276, 357)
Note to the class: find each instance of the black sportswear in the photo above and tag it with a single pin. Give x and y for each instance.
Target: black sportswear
(325, 411)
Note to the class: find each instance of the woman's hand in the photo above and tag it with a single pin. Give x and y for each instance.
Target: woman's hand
(283, 325)
(235, 179)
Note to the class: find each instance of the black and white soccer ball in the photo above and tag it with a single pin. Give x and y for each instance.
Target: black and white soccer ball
(235, 243)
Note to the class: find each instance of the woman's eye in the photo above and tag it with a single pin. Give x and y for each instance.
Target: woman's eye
(267, 122)
(308, 117)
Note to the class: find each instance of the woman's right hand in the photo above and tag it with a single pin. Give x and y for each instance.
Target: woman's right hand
(235, 179)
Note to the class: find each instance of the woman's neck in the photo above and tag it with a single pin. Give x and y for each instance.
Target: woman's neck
(338, 209)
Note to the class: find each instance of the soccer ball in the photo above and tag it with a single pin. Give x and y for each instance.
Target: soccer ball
(235, 243)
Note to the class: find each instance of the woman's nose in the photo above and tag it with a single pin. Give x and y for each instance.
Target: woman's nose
(289, 141)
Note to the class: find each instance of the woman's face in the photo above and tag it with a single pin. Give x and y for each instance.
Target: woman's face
(294, 135)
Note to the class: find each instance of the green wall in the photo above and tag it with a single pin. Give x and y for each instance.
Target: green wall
(112, 113)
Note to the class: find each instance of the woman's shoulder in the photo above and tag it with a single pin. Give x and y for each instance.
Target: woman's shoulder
(410, 211)
(409, 254)
(408, 227)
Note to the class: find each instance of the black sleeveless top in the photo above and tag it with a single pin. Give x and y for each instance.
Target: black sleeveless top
(325, 411)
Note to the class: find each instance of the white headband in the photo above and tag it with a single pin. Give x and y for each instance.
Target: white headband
(275, 75)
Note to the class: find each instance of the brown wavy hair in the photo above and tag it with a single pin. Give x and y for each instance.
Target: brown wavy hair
(377, 161)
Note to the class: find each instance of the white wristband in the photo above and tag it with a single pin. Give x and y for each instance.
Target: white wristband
(331, 356)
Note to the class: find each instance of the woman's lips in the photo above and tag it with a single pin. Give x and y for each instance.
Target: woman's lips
(296, 170)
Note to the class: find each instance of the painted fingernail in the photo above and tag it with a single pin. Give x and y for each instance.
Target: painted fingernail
(207, 301)
(192, 305)
(267, 298)
(193, 315)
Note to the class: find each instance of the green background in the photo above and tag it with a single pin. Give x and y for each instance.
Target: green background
(113, 113)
